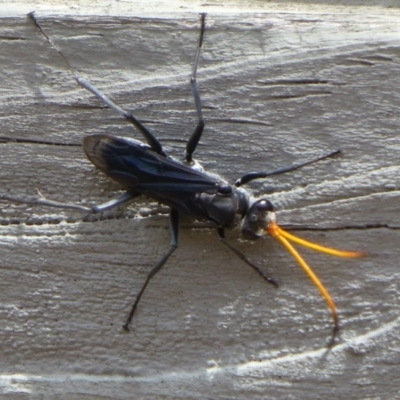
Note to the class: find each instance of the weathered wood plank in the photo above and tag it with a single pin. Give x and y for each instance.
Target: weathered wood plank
(276, 88)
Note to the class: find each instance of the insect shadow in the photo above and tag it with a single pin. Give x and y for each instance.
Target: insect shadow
(147, 169)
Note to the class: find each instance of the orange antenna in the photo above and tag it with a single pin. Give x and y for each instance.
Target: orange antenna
(284, 237)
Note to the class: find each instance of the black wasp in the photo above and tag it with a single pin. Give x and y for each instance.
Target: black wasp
(146, 169)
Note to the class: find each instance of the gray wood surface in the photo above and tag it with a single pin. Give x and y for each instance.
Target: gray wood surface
(277, 88)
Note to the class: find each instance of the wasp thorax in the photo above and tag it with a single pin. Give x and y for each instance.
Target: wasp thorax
(257, 219)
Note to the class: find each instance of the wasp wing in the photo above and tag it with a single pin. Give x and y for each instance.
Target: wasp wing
(138, 168)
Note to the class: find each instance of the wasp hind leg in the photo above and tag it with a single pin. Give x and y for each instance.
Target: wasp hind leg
(148, 136)
(196, 135)
(40, 200)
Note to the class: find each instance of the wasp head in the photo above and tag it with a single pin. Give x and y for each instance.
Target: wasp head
(257, 219)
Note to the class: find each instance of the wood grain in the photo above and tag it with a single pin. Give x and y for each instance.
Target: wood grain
(276, 88)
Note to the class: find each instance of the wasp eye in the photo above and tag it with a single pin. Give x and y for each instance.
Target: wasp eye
(264, 205)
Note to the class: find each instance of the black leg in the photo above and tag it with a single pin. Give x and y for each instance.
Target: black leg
(42, 201)
(174, 226)
(124, 198)
(196, 135)
(221, 234)
(251, 176)
(151, 140)
(148, 136)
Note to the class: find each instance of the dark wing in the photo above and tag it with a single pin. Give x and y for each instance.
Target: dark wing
(137, 167)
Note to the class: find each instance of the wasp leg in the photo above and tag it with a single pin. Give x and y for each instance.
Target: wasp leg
(40, 200)
(251, 176)
(174, 227)
(124, 198)
(148, 136)
(151, 140)
(196, 135)
(221, 234)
